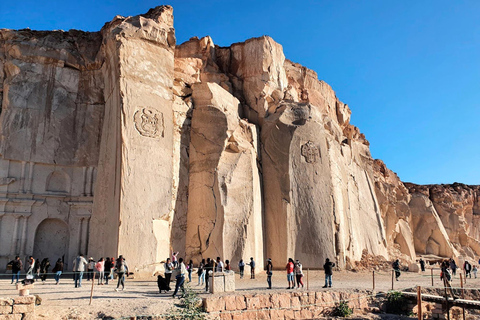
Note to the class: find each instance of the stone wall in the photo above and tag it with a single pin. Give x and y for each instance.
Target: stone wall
(291, 305)
(18, 308)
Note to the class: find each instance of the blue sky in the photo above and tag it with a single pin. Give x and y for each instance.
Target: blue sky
(409, 70)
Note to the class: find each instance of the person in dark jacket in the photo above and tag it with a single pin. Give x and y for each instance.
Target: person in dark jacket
(17, 266)
(269, 273)
(396, 268)
(58, 269)
(422, 265)
(328, 267)
(208, 267)
(44, 266)
(108, 269)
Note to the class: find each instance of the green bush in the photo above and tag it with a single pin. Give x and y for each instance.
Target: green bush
(396, 302)
(342, 310)
(190, 307)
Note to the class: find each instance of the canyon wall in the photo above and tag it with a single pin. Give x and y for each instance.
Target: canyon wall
(123, 142)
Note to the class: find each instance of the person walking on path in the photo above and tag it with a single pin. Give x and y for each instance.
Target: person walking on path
(422, 265)
(252, 268)
(121, 268)
(30, 267)
(180, 278)
(58, 269)
(290, 274)
(168, 271)
(447, 277)
(396, 268)
(107, 269)
(78, 269)
(44, 266)
(453, 266)
(467, 267)
(100, 267)
(241, 267)
(201, 273)
(299, 273)
(328, 268)
(475, 270)
(17, 267)
(269, 273)
(189, 269)
(209, 267)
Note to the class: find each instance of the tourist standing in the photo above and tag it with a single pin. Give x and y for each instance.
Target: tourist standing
(112, 271)
(467, 267)
(30, 267)
(208, 267)
(422, 265)
(328, 268)
(44, 266)
(180, 278)
(219, 267)
(396, 268)
(107, 269)
(290, 274)
(58, 269)
(474, 270)
(453, 266)
(252, 268)
(17, 267)
(447, 277)
(121, 268)
(228, 267)
(189, 269)
(168, 271)
(174, 259)
(299, 273)
(100, 267)
(78, 269)
(201, 273)
(241, 267)
(91, 266)
(269, 273)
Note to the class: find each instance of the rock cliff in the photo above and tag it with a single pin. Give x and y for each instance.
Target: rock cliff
(212, 151)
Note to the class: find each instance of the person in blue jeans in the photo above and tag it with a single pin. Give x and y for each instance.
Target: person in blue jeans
(17, 266)
(180, 277)
(78, 268)
(328, 266)
(58, 269)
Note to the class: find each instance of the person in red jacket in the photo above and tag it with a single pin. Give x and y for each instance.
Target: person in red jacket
(290, 274)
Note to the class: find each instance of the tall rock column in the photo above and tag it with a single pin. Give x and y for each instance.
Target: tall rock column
(133, 193)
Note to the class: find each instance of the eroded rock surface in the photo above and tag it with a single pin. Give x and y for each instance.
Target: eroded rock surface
(211, 151)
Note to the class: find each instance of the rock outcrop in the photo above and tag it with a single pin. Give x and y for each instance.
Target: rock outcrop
(212, 151)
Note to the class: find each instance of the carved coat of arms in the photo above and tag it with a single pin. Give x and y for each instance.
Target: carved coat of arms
(310, 152)
(149, 123)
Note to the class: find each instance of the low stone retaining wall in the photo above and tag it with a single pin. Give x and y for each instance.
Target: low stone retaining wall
(18, 308)
(287, 305)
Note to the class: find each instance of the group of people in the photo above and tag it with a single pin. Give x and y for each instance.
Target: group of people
(207, 266)
(106, 269)
(35, 269)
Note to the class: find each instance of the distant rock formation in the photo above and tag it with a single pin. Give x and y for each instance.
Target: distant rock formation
(122, 142)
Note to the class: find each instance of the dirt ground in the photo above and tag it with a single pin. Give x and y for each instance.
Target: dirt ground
(141, 297)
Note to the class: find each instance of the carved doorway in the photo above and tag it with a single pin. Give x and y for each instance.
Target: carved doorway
(51, 241)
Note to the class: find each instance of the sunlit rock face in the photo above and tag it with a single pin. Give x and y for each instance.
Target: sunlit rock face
(123, 142)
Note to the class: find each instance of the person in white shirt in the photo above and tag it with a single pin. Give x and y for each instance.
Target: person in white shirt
(219, 265)
(180, 277)
(78, 268)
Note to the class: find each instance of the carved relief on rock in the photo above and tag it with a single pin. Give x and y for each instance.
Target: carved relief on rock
(310, 152)
(149, 123)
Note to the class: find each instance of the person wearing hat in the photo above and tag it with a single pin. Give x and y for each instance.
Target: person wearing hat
(90, 267)
(269, 273)
(299, 273)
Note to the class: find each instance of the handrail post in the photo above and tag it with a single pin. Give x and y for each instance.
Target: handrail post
(419, 303)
